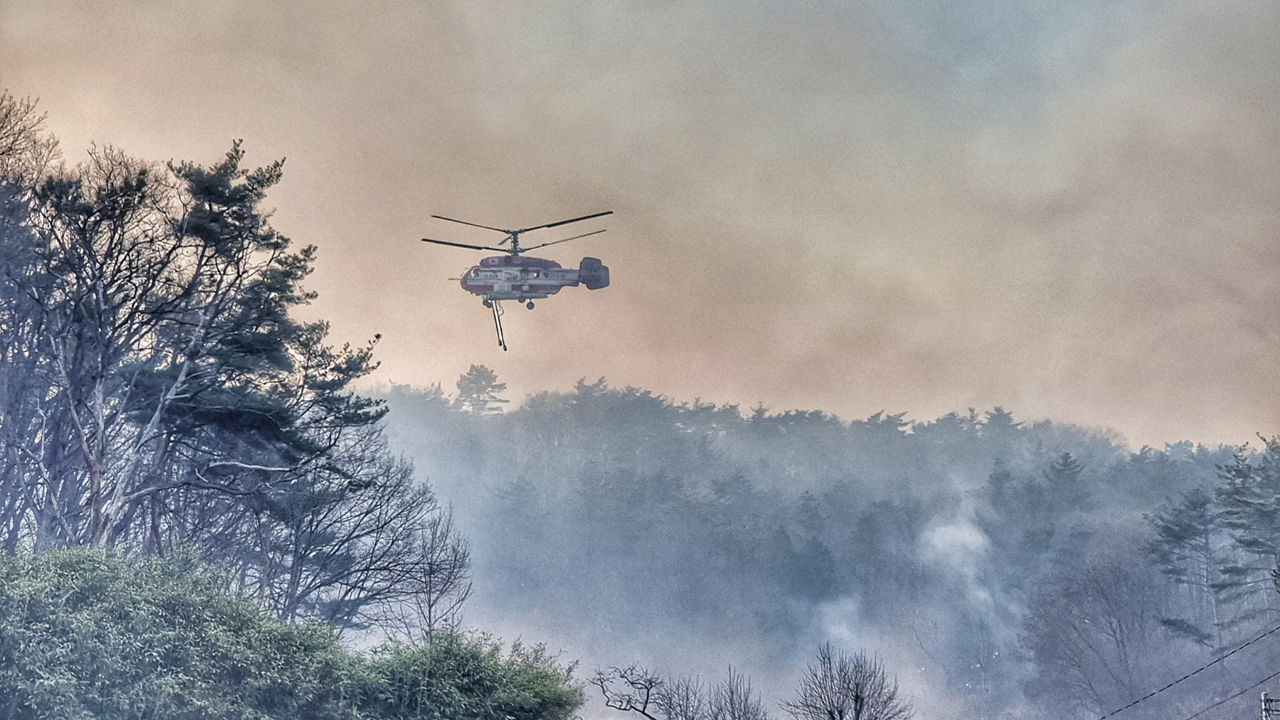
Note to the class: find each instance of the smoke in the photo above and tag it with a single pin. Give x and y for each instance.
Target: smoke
(1069, 211)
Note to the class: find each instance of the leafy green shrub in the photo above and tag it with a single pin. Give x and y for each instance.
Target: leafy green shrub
(92, 635)
(88, 634)
(457, 678)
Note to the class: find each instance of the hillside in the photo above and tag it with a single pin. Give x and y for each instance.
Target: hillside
(964, 550)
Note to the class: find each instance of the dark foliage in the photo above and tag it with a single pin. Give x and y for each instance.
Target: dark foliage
(94, 634)
(963, 543)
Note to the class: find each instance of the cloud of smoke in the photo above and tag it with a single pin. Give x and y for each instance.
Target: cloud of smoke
(1069, 211)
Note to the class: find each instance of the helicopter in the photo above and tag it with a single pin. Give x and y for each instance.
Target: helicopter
(514, 276)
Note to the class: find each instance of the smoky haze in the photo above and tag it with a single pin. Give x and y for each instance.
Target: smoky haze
(1066, 210)
(1000, 568)
(1070, 211)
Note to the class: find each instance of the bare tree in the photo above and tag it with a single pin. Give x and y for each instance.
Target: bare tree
(441, 581)
(734, 699)
(25, 150)
(847, 687)
(638, 690)
(633, 689)
(1094, 634)
(684, 698)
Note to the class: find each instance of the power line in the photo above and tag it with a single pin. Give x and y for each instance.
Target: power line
(1233, 697)
(1195, 672)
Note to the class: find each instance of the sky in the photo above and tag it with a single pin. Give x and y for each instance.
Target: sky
(1071, 210)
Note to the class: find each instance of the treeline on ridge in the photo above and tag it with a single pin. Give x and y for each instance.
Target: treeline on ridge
(993, 557)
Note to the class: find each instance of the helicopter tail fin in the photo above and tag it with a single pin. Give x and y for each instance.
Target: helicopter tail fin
(593, 273)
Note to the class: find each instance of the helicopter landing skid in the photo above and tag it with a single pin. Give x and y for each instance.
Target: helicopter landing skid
(497, 323)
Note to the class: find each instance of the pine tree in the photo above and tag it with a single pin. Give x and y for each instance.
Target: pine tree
(479, 391)
(1065, 484)
(1249, 499)
(999, 486)
(1188, 549)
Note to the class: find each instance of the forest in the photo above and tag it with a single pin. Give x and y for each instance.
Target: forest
(1000, 568)
(203, 515)
(200, 518)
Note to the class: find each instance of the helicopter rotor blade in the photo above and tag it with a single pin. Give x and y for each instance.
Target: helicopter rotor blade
(557, 242)
(562, 222)
(464, 222)
(462, 245)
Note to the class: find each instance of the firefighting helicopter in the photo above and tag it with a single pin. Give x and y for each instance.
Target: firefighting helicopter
(514, 276)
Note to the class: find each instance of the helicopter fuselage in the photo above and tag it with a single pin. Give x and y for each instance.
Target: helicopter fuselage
(514, 276)
(517, 277)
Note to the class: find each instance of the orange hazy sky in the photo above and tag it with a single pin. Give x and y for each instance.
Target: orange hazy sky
(1071, 210)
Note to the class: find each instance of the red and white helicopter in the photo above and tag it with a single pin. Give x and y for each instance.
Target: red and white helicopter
(524, 279)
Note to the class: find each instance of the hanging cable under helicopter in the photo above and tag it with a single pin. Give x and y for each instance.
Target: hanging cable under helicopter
(497, 323)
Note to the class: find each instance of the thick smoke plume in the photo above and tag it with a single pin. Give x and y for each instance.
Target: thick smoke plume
(1067, 210)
